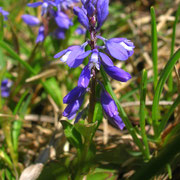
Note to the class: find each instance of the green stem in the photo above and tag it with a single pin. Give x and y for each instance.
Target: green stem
(92, 99)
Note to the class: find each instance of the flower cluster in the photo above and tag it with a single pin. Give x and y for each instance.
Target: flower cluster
(54, 20)
(4, 13)
(5, 87)
(92, 15)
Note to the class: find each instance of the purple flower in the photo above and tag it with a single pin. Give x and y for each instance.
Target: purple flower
(74, 94)
(84, 77)
(72, 108)
(4, 13)
(80, 31)
(30, 20)
(120, 48)
(92, 11)
(102, 12)
(5, 87)
(82, 16)
(45, 5)
(73, 56)
(110, 108)
(117, 73)
(62, 20)
(59, 33)
(40, 36)
(65, 4)
(94, 60)
(97, 57)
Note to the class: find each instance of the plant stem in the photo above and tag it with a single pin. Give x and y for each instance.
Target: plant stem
(92, 98)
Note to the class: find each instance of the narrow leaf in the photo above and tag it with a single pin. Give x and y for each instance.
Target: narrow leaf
(143, 89)
(154, 45)
(164, 75)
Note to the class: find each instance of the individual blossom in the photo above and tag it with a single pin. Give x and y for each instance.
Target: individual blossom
(46, 5)
(4, 13)
(72, 108)
(80, 30)
(84, 77)
(73, 56)
(65, 4)
(74, 94)
(110, 109)
(5, 87)
(74, 99)
(117, 73)
(119, 48)
(31, 20)
(62, 20)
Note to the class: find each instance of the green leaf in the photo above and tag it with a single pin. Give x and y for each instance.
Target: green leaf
(1, 27)
(101, 174)
(4, 156)
(154, 45)
(7, 127)
(21, 109)
(143, 90)
(72, 135)
(86, 130)
(52, 87)
(166, 117)
(16, 56)
(174, 31)
(54, 171)
(164, 75)
(170, 80)
(98, 113)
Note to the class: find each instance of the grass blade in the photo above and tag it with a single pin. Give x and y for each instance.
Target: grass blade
(21, 109)
(168, 115)
(16, 56)
(154, 45)
(143, 89)
(164, 75)
(4, 156)
(170, 80)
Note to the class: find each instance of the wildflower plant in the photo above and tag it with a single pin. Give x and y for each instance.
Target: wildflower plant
(36, 93)
(92, 15)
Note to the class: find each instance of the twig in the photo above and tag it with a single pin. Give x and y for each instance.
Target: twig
(148, 103)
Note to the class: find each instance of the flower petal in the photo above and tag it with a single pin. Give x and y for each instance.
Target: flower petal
(117, 73)
(108, 104)
(84, 77)
(106, 60)
(58, 55)
(36, 4)
(30, 20)
(117, 51)
(82, 17)
(74, 94)
(118, 121)
(41, 35)
(72, 108)
(102, 11)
